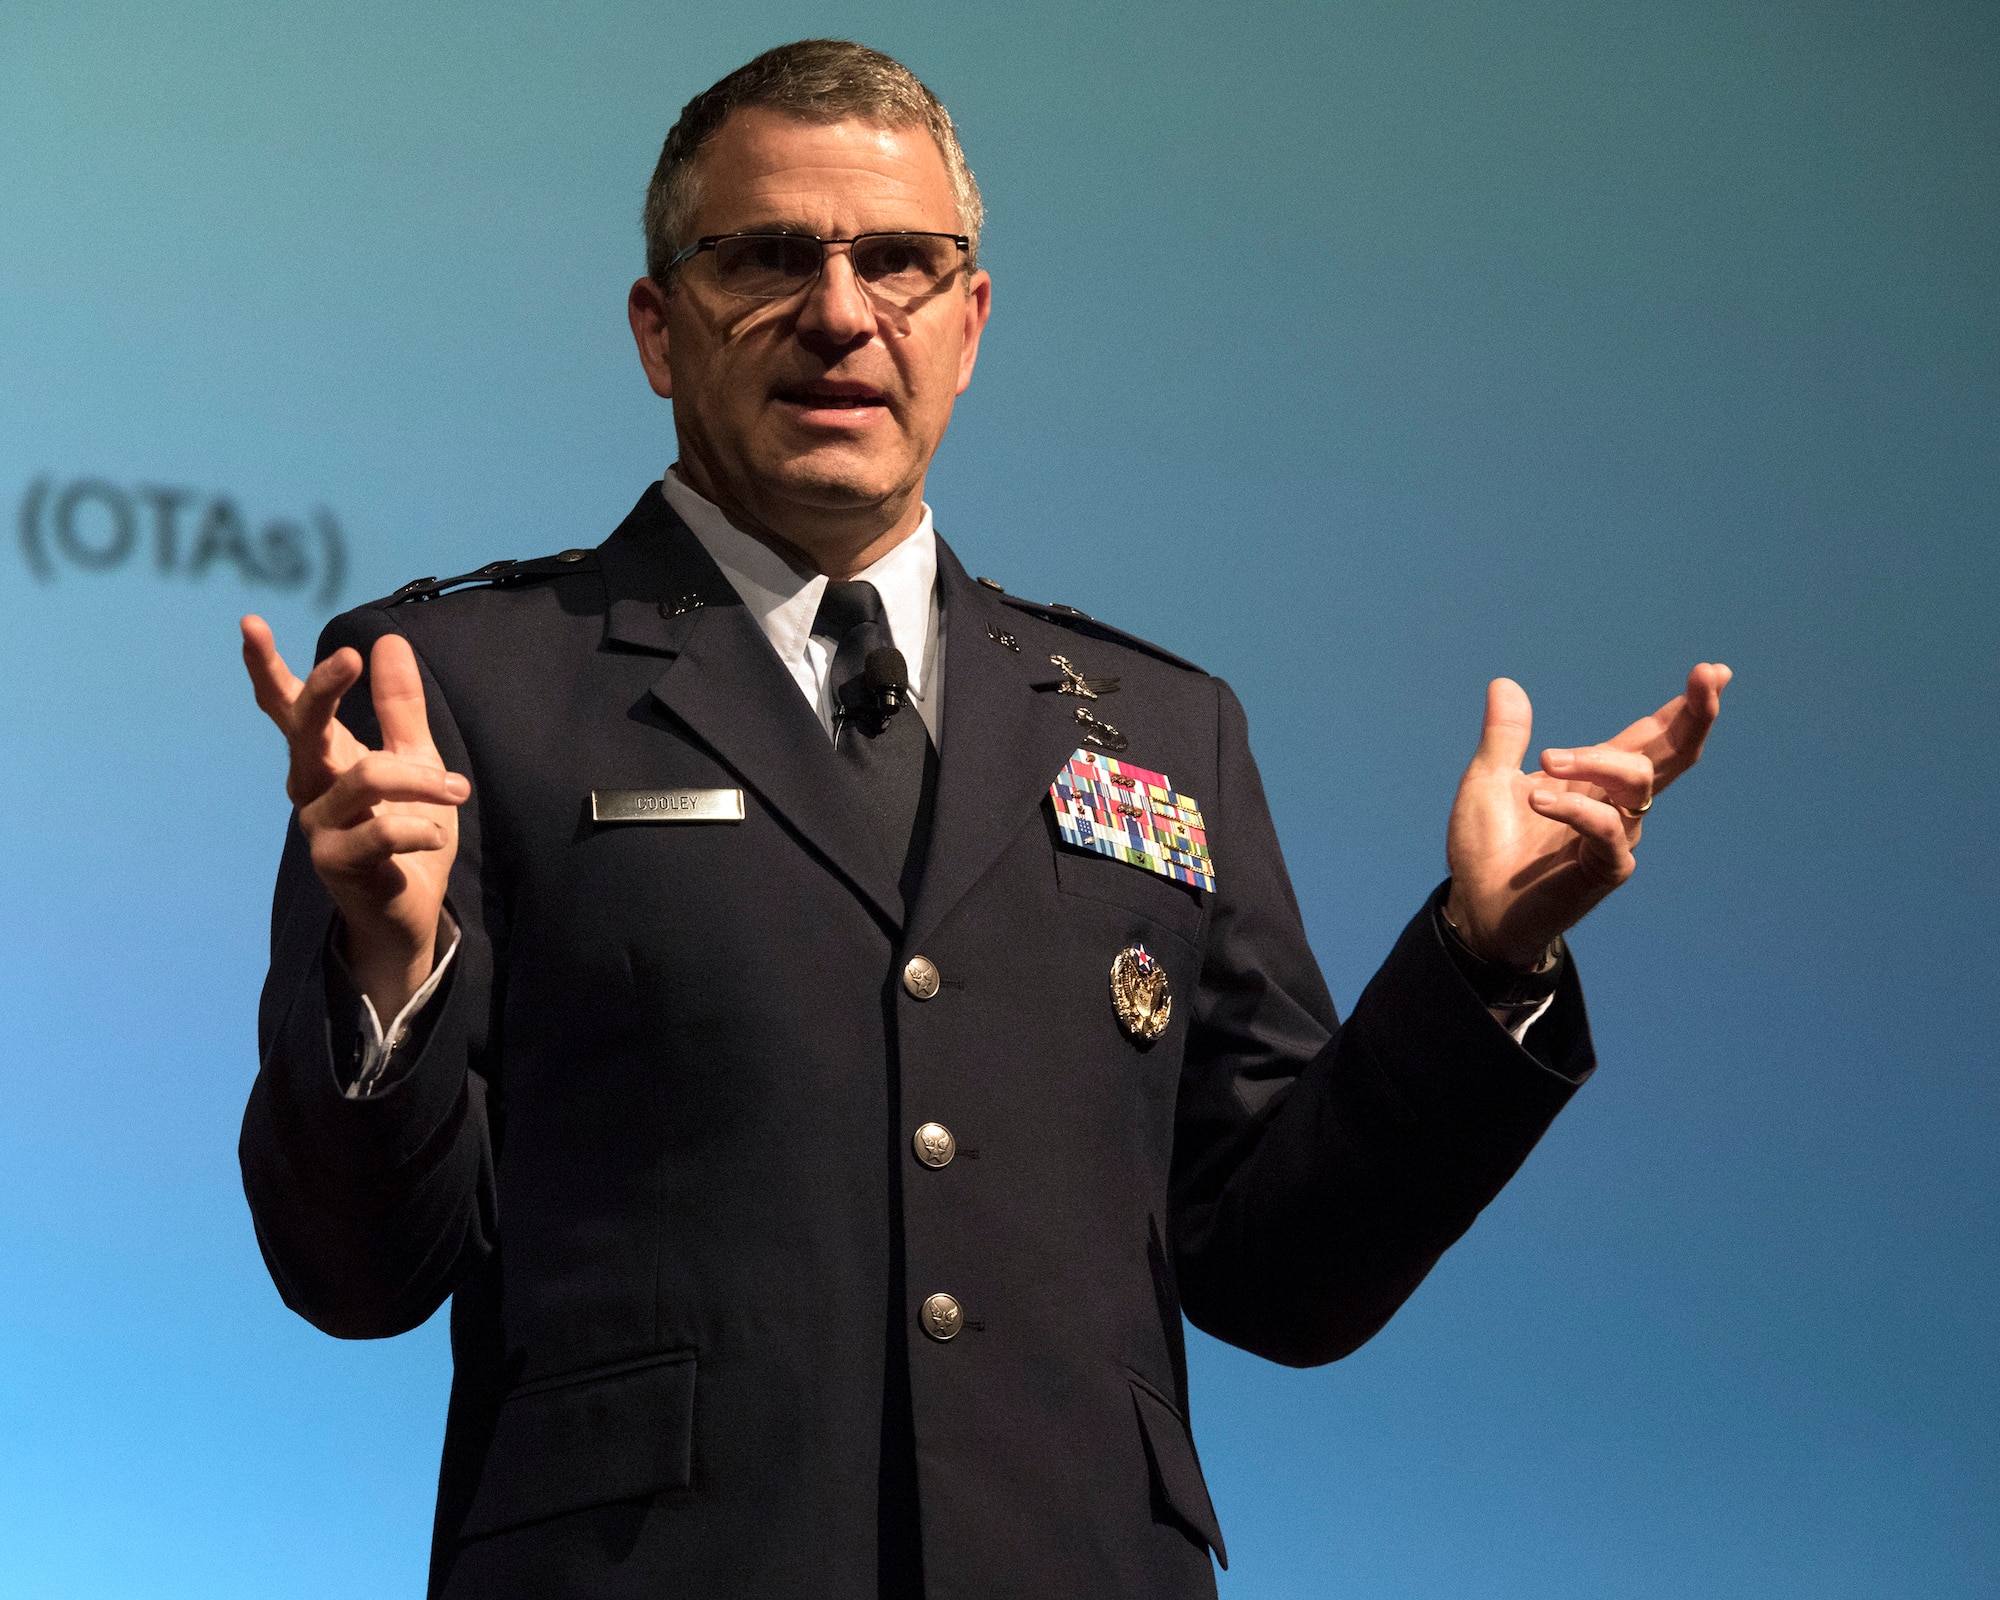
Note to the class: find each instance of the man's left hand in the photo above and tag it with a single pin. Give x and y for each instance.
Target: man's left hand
(1531, 852)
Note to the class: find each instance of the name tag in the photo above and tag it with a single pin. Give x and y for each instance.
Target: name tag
(666, 805)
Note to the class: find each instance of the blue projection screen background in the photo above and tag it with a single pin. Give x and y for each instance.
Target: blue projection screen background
(1360, 352)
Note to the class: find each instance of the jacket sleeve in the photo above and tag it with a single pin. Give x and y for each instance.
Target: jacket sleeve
(368, 1211)
(1320, 1167)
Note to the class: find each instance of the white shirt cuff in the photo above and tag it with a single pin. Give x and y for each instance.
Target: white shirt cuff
(376, 1045)
(1518, 1029)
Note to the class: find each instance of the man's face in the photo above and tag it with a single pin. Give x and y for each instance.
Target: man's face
(829, 402)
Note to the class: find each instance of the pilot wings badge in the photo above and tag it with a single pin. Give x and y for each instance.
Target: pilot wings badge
(1139, 994)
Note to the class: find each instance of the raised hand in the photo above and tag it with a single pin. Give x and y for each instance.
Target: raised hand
(1530, 853)
(382, 824)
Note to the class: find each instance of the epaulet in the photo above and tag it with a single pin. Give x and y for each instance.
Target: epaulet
(1084, 623)
(497, 575)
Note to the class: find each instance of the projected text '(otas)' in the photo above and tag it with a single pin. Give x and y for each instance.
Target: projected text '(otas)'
(93, 525)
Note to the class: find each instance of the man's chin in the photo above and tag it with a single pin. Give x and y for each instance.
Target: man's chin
(833, 479)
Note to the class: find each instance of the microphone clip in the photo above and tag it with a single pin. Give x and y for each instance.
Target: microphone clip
(885, 679)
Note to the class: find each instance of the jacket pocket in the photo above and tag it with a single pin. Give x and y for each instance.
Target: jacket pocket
(622, 1432)
(1140, 894)
(1176, 1470)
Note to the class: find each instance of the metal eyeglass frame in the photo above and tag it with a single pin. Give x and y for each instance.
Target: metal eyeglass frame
(711, 240)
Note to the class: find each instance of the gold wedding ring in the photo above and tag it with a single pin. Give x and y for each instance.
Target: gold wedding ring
(1627, 811)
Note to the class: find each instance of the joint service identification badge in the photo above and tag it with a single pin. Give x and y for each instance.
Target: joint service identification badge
(1132, 815)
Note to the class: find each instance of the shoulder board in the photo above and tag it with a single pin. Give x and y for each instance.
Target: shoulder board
(497, 575)
(1084, 623)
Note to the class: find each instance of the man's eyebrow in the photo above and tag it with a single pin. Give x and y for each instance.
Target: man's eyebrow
(810, 230)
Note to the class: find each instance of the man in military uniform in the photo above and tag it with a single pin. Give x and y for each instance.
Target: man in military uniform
(821, 1020)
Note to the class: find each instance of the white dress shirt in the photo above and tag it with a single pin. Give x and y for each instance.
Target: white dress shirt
(784, 601)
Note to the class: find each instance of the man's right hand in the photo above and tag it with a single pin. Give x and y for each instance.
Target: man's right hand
(382, 824)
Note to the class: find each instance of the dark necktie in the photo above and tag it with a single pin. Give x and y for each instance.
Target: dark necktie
(890, 752)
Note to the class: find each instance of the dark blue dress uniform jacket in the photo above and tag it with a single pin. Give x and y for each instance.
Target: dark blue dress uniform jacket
(656, 1142)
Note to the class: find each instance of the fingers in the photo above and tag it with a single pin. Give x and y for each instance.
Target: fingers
(1690, 714)
(1603, 846)
(344, 852)
(320, 695)
(379, 778)
(1705, 684)
(1674, 735)
(303, 712)
(297, 708)
(1694, 713)
(1625, 776)
(399, 698)
(1687, 720)
(270, 679)
(1679, 717)
(1510, 719)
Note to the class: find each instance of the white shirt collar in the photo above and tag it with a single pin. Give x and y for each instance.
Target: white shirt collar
(784, 600)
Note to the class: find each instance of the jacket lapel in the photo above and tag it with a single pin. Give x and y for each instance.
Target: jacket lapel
(726, 684)
(1003, 745)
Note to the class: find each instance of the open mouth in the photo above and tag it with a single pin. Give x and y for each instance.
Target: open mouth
(828, 394)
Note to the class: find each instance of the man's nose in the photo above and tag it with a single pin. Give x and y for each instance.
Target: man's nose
(836, 306)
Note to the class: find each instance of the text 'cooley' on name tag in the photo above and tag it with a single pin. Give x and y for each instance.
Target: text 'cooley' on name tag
(666, 805)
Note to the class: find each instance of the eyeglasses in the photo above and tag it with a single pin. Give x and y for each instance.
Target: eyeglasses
(896, 268)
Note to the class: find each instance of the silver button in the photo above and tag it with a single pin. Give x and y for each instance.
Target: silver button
(934, 1145)
(920, 977)
(942, 1317)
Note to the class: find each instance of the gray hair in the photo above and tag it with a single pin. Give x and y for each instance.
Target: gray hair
(815, 80)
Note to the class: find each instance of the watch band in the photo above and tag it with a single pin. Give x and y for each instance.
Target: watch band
(1498, 985)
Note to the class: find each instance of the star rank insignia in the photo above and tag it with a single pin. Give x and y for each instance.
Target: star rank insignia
(1132, 815)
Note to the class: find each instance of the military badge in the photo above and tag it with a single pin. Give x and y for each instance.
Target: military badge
(1132, 815)
(1139, 994)
(1074, 682)
(1100, 733)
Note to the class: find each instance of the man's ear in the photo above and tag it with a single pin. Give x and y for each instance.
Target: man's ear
(646, 309)
(978, 306)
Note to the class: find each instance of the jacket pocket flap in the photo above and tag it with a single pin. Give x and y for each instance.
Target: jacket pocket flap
(612, 1433)
(1133, 890)
(1176, 1470)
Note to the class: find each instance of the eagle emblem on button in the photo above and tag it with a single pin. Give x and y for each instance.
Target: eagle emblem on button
(1139, 994)
(942, 1317)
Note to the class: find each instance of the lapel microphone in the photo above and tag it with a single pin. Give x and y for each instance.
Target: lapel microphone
(885, 677)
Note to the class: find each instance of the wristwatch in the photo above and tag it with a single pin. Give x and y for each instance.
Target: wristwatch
(1518, 992)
